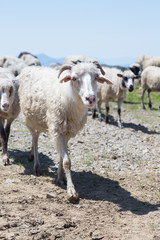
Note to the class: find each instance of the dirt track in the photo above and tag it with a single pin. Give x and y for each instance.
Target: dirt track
(116, 172)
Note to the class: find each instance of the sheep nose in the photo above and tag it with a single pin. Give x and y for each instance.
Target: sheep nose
(5, 106)
(91, 99)
(131, 88)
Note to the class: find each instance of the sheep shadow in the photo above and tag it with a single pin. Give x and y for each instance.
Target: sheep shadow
(112, 121)
(94, 187)
(136, 127)
(139, 127)
(21, 158)
(90, 185)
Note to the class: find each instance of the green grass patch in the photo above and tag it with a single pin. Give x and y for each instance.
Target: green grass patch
(133, 99)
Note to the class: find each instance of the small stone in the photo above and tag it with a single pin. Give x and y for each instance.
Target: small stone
(51, 195)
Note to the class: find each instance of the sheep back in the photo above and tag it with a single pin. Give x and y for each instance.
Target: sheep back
(150, 78)
(109, 92)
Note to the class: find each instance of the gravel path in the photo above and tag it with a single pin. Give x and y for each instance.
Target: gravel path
(116, 172)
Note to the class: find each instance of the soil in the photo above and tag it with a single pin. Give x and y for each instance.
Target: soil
(116, 172)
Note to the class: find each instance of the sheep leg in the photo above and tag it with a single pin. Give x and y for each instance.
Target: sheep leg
(31, 155)
(35, 136)
(65, 163)
(149, 99)
(99, 110)
(142, 99)
(107, 112)
(8, 128)
(94, 113)
(61, 178)
(5, 158)
(120, 125)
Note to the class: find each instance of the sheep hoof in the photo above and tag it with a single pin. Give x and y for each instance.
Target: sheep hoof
(6, 161)
(30, 157)
(107, 120)
(72, 195)
(37, 171)
(120, 125)
(100, 119)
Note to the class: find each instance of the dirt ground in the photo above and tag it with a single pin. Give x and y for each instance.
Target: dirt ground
(116, 172)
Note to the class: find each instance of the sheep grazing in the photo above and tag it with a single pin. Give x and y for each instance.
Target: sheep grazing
(150, 81)
(122, 81)
(29, 59)
(9, 108)
(57, 101)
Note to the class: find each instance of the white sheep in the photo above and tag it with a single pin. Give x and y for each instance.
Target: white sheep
(146, 61)
(122, 81)
(150, 81)
(75, 59)
(56, 66)
(57, 102)
(154, 61)
(15, 65)
(9, 108)
(29, 59)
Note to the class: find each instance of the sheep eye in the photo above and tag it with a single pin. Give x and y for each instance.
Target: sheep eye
(74, 79)
(96, 77)
(125, 79)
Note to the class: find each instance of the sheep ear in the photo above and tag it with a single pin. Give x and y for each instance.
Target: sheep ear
(120, 75)
(65, 79)
(104, 80)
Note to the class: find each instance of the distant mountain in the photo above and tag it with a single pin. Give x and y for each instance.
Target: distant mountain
(124, 62)
(46, 60)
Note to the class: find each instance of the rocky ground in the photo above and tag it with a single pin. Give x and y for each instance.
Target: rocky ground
(116, 172)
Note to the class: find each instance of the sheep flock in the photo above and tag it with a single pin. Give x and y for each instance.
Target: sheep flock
(56, 99)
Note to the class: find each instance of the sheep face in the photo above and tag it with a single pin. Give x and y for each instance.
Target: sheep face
(84, 79)
(6, 96)
(127, 82)
(86, 87)
(136, 69)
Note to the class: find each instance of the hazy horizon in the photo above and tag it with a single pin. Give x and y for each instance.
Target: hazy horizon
(98, 29)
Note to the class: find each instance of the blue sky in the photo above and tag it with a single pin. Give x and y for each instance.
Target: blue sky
(100, 29)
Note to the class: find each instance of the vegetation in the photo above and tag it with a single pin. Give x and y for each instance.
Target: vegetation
(133, 99)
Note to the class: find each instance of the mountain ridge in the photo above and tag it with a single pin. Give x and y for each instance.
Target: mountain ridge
(125, 61)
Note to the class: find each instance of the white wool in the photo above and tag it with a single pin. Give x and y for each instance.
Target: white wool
(75, 58)
(59, 108)
(146, 61)
(9, 107)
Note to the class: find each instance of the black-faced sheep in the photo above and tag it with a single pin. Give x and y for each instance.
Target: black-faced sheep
(57, 101)
(9, 108)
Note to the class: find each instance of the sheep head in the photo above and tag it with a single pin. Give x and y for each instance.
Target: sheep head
(84, 77)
